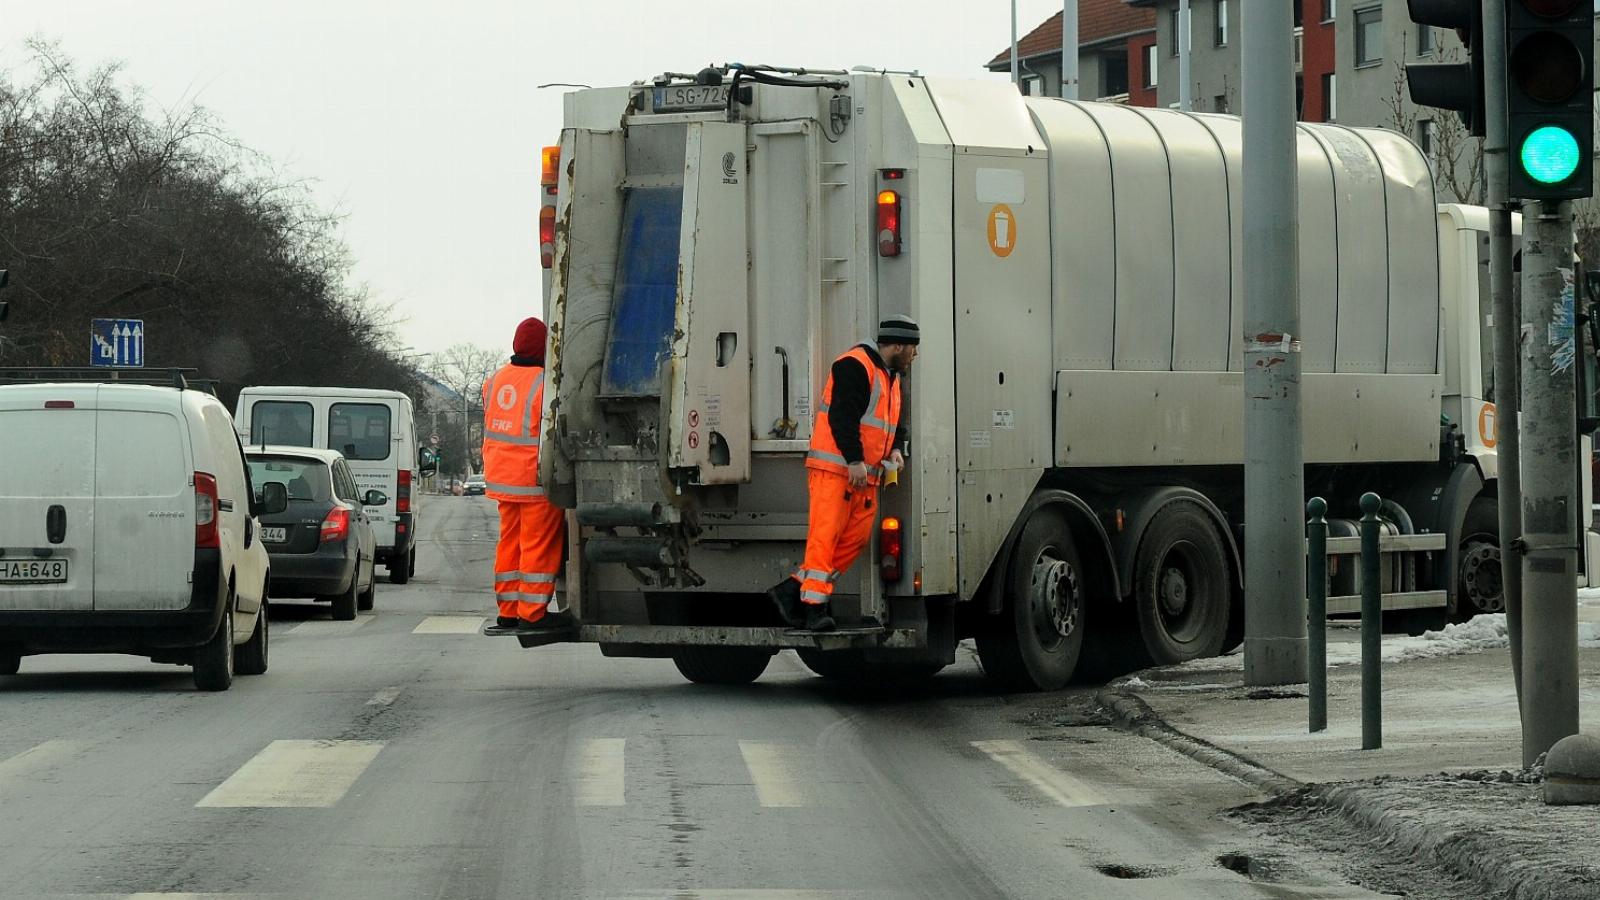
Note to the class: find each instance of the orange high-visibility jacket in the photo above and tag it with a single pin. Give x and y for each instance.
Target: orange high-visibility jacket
(513, 401)
(877, 425)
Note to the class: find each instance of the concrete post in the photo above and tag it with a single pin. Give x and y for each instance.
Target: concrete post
(1549, 481)
(1274, 472)
(1069, 49)
(1184, 37)
(1014, 78)
(1507, 318)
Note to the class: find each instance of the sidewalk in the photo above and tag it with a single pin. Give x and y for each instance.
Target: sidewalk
(1447, 785)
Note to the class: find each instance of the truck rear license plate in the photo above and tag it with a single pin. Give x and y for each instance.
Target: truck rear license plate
(680, 97)
(33, 571)
(274, 535)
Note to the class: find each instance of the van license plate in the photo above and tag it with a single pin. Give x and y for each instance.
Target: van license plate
(33, 571)
(275, 535)
(680, 97)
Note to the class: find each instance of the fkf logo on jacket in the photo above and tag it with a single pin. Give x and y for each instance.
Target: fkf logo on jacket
(506, 399)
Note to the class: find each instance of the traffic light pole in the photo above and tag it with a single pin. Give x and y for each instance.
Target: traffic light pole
(1507, 317)
(1549, 480)
(1274, 471)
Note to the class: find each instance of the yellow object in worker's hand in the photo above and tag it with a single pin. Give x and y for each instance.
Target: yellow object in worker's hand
(891, 473)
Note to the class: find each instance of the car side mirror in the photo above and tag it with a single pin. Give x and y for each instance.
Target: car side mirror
(274, 498)
(375, 498)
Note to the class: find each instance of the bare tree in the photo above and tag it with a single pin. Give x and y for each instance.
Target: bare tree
(464, 368)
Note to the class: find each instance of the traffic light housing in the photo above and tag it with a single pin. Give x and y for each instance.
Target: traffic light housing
(1550, 98)
(1458, 86)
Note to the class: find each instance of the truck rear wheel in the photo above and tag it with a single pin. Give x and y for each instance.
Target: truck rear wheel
(721, 665)
(1479, 585)
(1181, 588)
(1036, 643)
(847, 667)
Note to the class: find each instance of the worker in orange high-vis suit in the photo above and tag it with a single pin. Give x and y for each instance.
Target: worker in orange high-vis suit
(857, 431)
(532, 529)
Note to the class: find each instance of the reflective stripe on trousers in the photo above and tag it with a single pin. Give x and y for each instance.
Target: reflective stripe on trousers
(837, 529)
(528, 557)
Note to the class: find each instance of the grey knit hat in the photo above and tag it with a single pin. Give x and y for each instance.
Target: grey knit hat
(899, 330)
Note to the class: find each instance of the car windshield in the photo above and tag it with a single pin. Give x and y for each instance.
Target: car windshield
(305, 479)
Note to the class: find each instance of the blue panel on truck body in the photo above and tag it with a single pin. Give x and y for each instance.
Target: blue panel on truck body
(644, 306)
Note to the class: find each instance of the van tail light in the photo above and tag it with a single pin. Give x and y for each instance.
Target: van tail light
(890, 546)
(336, 527)
(402, 503)
(547, 236)
(549, 167)
(888, 223)
(205, 511)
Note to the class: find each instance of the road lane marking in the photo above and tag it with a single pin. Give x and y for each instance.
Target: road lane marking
(600, 772)
(384, 697)
(296, 774)
(38, 757)
(449, 625)
(777, 779)
(329, 627)
(1045, 778)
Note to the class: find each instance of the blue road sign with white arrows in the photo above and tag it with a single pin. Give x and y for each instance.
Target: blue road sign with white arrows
(116, 342)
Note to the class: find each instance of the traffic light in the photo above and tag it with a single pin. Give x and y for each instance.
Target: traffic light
(1454, 86)
(1550, 98)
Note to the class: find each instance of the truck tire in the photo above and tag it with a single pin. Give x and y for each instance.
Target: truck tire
(1181, 591)
(251, 657)
(1479, 588)
(846, 667)
(1035, 643)
(721, 665)
(344, 605)
(10, 663)
(400, 569)
(213, 660)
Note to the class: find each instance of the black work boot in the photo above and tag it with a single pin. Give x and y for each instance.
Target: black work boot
(785, 595)
(550, 621)
(506, 621)
(818, 617)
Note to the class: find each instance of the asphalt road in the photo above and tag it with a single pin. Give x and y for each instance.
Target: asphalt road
(404, 756)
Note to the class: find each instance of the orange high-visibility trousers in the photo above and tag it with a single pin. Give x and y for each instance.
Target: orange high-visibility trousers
(839, 525)
(528, 557)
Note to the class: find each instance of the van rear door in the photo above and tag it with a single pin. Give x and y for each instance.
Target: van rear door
(365, 432)
(144, 505)
(47, 486)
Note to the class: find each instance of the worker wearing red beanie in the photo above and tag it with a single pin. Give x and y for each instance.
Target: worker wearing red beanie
(532, 529)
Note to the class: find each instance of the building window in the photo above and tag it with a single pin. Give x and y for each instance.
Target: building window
(1330, 98)
(1175, 25)
(1369, 36)
(1113, 74)
(1220, 34)
(1219, 103)
(1427, 135)
(1426, 43)
(1298, 13)
(1032, 86)
(1328, 11)
(1150, 57)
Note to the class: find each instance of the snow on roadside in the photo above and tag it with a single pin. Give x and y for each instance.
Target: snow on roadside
(1485, 632)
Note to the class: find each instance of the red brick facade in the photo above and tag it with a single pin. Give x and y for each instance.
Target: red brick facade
(1317, 58)
(1138, 94)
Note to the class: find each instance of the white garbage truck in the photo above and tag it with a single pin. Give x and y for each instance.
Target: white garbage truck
(1074, 480)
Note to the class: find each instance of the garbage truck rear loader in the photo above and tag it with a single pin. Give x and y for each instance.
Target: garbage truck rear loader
(1074, 478)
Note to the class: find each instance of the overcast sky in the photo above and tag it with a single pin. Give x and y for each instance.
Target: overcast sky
(421, 122)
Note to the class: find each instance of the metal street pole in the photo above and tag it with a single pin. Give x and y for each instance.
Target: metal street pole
(1274, 472)
(1508, 451)
(1549, 481)
(1183, 39)
(1069, 48)
(1014, 79)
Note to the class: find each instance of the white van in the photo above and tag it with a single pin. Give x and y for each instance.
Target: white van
(127, 525)
(374, 431)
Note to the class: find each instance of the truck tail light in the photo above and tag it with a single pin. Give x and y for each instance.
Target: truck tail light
(549, 166)
(402, 502)
(336, 527)
(890, 546)
(547, 236)
(206, 505)
(888, 223)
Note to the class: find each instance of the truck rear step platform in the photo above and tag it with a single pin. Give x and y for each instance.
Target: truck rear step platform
(732, 636)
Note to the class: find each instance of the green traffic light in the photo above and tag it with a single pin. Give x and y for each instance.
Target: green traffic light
(1550, 154)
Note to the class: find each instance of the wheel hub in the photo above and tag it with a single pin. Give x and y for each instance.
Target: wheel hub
(1054, 598)
(1174, 591)
(1481, 578)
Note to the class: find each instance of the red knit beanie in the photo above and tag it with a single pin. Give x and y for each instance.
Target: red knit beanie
(530, 340)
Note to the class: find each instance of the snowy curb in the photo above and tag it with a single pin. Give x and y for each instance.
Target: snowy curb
(1479, 859)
